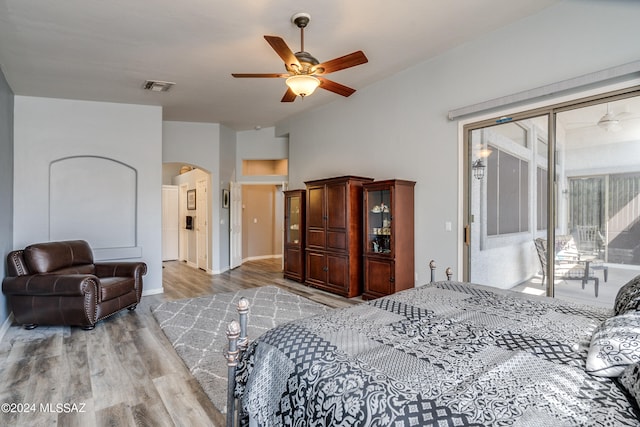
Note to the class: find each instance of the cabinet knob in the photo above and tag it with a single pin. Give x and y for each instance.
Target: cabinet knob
(392, 279)
(325, 268)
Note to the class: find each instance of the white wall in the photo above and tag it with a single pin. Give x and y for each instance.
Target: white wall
(260, 144)
(48, 130)
(6, 185)
(398, 128)
(228, 173)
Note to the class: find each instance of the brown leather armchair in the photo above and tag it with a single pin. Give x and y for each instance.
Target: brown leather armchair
(57, 283)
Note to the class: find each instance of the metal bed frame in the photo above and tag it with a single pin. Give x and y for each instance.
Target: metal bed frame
(238, 342)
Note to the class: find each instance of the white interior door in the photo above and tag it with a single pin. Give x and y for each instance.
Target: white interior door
(202, 226)
(170, 222)
(235, 214)
(183, 254)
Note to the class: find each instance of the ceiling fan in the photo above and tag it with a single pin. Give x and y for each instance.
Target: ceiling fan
(304, 72)
(611, 122)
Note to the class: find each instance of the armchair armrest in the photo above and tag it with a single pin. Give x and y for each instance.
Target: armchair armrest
(120, 269)
(51, 285)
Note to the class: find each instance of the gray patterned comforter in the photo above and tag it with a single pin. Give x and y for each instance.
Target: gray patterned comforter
(445, 354)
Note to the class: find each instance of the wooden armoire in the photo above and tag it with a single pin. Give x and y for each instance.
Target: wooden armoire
(334, 235)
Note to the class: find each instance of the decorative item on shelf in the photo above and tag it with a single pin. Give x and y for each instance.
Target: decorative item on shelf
(380, 208)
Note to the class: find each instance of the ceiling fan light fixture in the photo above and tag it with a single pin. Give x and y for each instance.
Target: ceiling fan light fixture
(303, 84)
(609, 123)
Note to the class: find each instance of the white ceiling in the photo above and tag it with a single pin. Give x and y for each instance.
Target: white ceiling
(104, 50)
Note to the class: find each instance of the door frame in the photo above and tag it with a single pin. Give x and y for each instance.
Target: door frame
(235, 225)
(202, 225)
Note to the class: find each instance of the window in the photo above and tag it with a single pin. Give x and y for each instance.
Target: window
(507, 193)
(514, 132)
(542, 148)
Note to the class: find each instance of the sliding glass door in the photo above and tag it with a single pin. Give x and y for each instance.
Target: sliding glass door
(568, 174)
(508, 198)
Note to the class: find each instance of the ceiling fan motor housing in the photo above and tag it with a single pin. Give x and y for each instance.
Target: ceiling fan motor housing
(301, 19)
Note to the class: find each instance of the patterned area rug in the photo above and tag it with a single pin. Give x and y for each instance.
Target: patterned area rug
(196, 327)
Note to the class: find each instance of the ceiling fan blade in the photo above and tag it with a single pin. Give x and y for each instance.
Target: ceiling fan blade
(335, 87)
(259, 75)
(347, 61)
(289, 96)
(281, 48)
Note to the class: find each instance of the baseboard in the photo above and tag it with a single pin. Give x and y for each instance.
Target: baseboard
(5, 326)
(222, 270)
(152, 292)
(256, 258)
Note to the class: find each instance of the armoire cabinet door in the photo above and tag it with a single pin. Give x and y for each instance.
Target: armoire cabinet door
(338, 273)
(316, 218)
(316, 268)
(378, 277)
(293, 263)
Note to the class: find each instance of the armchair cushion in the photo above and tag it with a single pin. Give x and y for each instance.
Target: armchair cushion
(52, 256)
(58, 283)
(113, 287)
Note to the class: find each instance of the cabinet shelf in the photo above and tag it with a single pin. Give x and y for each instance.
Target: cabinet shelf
(294, 225)
(389, 241)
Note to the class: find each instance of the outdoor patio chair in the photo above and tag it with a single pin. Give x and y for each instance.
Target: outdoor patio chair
(568, 266)
(590, 239)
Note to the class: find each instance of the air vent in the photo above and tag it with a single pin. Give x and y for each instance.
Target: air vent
(157, 86)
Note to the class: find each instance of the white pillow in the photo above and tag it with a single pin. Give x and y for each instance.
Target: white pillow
(615, 344)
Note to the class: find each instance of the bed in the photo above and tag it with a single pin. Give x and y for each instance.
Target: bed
(447, 354)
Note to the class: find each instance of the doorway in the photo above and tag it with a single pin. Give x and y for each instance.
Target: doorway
(566, 174)
(194, 211)
(262, 221)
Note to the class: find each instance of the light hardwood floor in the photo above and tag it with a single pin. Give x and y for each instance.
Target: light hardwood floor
(124, 372)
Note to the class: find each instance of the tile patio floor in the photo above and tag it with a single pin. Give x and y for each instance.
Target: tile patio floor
(571, 290)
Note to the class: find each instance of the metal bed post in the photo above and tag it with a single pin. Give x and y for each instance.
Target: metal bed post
(238, 342)
(233, 332)
(432, 266)
(243, 310)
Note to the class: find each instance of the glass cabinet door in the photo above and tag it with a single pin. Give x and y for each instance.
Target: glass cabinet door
(379, 216)
(293, 229)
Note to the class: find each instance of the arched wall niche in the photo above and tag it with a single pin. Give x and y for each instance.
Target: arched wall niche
(95, 199)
